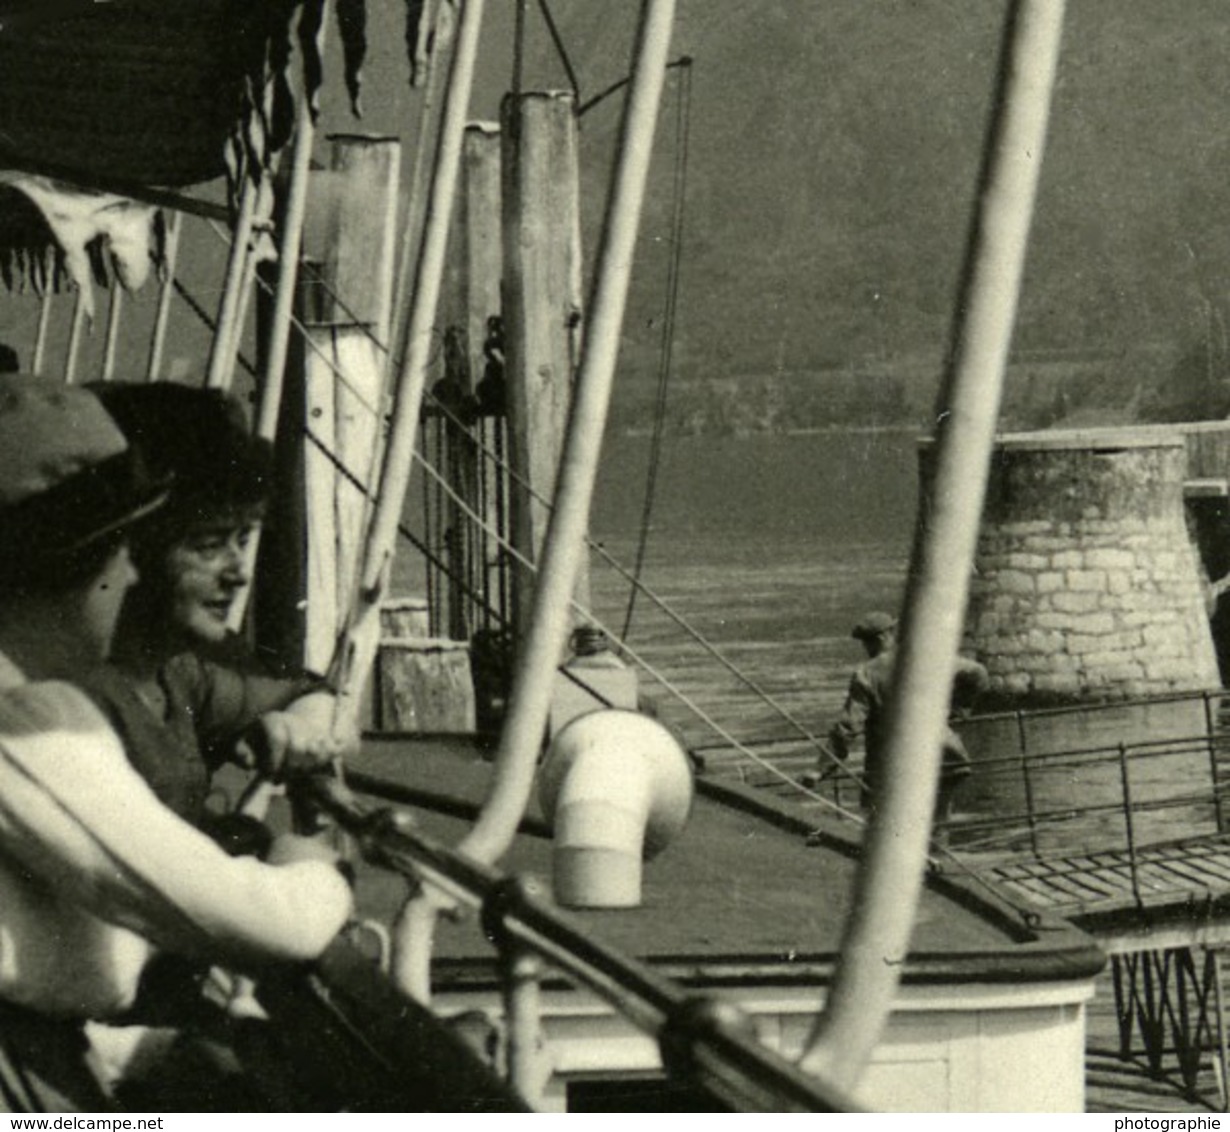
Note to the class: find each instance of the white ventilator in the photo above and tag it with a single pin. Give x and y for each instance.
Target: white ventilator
(617, 787)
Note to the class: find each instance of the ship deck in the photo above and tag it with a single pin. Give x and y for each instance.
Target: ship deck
(752, 891)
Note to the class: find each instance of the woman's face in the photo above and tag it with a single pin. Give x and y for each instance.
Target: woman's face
(208, 569)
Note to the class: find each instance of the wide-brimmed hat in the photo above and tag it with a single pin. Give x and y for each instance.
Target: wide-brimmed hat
(68, 476)
(198, 436)
(873, 624)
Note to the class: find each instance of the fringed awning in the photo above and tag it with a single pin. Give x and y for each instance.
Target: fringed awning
(100, 95)
(169, 92)
(141, 91)
(50, 231)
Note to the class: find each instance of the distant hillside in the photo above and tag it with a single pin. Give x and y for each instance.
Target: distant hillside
(1044, 390)
(833, 155)
(832, 158)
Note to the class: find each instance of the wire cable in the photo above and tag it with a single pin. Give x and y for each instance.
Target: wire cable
(666, 348)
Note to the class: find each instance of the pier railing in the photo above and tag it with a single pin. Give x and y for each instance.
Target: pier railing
(1118, 782)
(1108, 777)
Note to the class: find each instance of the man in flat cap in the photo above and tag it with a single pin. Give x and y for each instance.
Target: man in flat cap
(96, 875)
(864, 712)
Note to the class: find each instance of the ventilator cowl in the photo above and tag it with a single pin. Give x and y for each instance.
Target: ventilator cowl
(617, 787)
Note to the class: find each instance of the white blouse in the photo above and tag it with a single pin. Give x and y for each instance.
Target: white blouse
(96, 874)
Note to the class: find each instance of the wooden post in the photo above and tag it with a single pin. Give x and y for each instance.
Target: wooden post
(361, 230)
(430, 123)
(357, 651)
(481, 244)
(564, 550)
(542, 311)
(344, 367)
(473, 298)
(483, 250)
(343, 431)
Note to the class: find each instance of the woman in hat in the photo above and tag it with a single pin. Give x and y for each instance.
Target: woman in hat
(178, 687)
(96, 875)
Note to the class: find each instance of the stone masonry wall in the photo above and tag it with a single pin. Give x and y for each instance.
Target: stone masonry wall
(1087, 585)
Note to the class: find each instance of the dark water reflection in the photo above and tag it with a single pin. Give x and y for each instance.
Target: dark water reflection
(771, 547)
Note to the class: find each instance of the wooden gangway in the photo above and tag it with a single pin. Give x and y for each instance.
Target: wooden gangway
(1115, 817)
(1190, 877)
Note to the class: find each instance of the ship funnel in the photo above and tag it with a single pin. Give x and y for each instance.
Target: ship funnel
(617, 787)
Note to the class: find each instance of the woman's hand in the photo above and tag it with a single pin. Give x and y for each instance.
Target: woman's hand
(291, 848)
(301, 737)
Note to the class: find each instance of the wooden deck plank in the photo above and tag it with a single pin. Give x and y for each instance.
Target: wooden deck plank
(1087, 871)
(1080, 882)
(1217, 864)
(1207, 884)
(1156, 878)
(1035, 893)
(1104, 883)
(1073, 884)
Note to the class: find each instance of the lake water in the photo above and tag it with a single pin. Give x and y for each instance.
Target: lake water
(770, 547)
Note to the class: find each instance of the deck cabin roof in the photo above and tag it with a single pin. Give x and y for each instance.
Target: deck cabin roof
(744, 895)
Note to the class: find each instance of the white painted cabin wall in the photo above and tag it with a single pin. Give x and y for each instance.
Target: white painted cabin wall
(947, 1049)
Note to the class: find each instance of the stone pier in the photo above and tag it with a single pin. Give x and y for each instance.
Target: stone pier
(1087, 585)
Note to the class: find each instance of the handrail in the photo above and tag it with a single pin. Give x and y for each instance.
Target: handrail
(1158, 700)
(705, 1039)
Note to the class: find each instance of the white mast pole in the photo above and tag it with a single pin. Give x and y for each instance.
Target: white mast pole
(269, 403)
(158, 339)
(877, 934)
(564, 543)
(442, 34)
(221, 354)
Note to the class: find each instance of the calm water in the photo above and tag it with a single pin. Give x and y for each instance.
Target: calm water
(770, 547)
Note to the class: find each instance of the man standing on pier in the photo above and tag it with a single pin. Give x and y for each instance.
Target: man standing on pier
(864, 712)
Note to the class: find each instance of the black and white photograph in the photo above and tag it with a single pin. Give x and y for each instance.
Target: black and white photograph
(610, 556)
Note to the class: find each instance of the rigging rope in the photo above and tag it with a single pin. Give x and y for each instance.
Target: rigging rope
(937, 852)
(197, 308)
(683, 101)
(676, 618)
(619, 84)
(560, 49)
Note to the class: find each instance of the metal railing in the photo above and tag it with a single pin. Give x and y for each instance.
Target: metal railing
(705, 1042)
(1157, 771)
